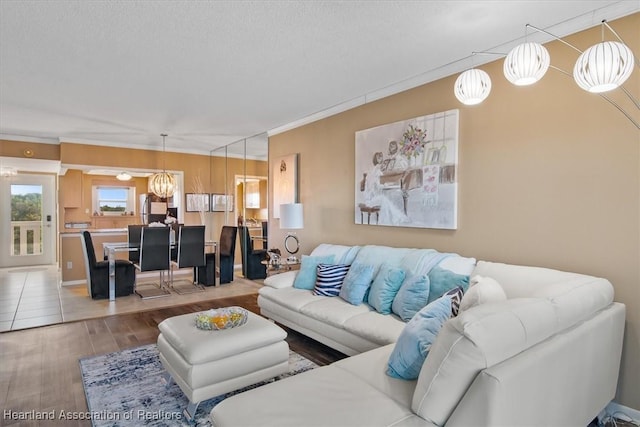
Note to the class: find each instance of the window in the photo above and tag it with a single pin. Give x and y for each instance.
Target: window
(113, 200)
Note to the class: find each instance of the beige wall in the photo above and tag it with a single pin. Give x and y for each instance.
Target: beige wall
(549, 175)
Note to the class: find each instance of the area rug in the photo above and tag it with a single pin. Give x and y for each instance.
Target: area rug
(126, 389)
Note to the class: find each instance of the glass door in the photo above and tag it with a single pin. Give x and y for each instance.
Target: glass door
(27, 227)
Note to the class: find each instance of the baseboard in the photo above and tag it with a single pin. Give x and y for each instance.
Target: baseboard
(620, 411)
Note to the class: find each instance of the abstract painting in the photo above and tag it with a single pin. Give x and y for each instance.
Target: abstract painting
(285, 182)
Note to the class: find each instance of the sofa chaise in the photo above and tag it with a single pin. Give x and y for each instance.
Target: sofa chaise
(548, 354)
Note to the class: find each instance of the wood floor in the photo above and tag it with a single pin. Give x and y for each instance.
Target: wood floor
(40, 371)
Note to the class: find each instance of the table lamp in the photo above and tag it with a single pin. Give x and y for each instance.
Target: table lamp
(291, 218)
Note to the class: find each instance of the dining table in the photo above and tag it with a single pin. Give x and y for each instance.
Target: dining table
(110, 249)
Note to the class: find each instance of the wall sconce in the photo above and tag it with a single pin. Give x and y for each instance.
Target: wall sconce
(291, 218)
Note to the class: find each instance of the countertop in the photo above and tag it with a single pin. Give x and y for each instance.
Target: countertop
(72, 231)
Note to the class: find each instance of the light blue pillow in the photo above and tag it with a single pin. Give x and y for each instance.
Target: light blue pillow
(356, 283)
(415, 340)
(385, 287)
(306, 278)
(412, 296)
(442, 281)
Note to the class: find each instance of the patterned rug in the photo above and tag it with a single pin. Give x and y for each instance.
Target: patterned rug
(126, 389)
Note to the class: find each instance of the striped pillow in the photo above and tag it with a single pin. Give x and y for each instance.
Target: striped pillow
(330, 278)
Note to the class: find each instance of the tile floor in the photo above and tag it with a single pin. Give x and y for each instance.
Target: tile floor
(32, 297)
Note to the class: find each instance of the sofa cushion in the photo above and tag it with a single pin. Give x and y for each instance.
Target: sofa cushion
(341, 254)
(377, 328)
(417, 337)
(477, 339)
(442, 280)
(306, 277)
(290, 298)
(411, 297)
(333, 311)
(282, 280)
(356, 283)
(384, 288)
(482, 290)
(329, 279)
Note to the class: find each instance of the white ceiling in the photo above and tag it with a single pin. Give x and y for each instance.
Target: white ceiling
(209, 73)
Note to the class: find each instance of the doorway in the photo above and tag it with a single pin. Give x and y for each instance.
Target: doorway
(28, 220)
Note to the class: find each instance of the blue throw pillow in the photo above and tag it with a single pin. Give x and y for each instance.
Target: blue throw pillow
(306, 278)
(415, 340)
(412, 296)
(385, 287)
(356, 283)
(330, 278)
(442, 281)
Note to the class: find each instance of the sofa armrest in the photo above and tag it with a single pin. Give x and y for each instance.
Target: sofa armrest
(282, 280)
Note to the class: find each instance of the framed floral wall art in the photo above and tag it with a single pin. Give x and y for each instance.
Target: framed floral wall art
(406, 173)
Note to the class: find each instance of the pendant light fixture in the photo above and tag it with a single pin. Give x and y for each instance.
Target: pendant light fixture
(603, 67)
(472, 87)
(162, 184)
(526, 64)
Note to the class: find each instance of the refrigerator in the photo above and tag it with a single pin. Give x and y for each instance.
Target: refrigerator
(152, 209)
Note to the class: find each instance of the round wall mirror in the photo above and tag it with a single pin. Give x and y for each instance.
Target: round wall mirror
(291, 244)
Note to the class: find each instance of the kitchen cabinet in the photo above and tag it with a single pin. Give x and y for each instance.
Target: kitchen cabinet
(71, 189)
(113, 221)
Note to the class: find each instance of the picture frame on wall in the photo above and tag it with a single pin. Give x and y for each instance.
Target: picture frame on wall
(221, 203)
(285, 181)
(197, 202)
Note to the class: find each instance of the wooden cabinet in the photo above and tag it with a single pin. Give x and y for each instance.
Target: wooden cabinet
(71, 189)
(114, 221)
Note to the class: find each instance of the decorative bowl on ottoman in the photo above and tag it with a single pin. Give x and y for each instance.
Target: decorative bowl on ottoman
(221, 318)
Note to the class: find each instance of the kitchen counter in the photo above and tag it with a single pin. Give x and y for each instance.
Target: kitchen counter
(92, 230)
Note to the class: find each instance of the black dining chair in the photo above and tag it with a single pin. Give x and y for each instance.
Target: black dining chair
(155, 252)
(134, 234)
(252, 267)
(227, 249)
(98, 272)
(190, 253)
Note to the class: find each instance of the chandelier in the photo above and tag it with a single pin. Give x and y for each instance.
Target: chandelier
(162, 184)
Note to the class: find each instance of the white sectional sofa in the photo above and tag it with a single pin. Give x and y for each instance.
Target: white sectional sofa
(547, 355)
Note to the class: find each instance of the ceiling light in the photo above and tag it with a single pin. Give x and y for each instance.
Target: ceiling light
(526, 64)
(603, 67)
(472, 87)
(123, 176)
(162, 184)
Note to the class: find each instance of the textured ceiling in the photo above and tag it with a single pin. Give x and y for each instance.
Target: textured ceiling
(209, 73)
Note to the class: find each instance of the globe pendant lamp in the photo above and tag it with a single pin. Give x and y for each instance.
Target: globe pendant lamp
(526, 64)
(162, 184)
(472, 87)
(603, 67)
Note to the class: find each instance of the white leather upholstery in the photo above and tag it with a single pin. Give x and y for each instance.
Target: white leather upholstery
(208, 363)
(548, 355)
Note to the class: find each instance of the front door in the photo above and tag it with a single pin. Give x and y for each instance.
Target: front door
(28, 220)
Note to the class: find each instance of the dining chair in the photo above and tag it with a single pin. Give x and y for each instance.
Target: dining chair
(98, 272)
(227, 249)
(190, 253)
(252, 267)
(134, 234)
(155, 252)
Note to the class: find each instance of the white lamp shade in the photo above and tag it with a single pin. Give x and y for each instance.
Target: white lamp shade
(291, 216)
(472, 87)
(526, 64)
(162, 184)
(603, 67)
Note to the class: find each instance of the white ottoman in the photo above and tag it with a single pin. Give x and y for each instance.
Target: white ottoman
(206, 364)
